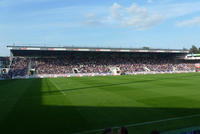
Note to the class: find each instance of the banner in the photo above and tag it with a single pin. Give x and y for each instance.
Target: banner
(94, 74)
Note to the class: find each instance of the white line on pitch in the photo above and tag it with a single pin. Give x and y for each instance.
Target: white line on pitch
(57, 87)
(142, 123)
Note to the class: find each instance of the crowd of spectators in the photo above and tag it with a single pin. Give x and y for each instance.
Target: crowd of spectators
(19, 66)
(99, 63)
(103, 63)
(124, 130)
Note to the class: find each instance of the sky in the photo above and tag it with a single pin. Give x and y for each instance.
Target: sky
(173, 24)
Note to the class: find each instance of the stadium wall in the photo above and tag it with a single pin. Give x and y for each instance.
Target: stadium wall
(93, 74)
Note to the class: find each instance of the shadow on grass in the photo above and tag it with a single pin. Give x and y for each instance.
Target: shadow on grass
(6, 82)
(30, 116)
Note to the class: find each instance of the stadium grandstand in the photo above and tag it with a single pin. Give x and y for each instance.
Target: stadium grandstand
(32, 61)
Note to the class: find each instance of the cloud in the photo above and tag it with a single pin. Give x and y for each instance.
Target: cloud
(131, 16)
(91, 19)
(189, 23)
(140, 18)
(115, 11)
(135, 9)
(142, 22)
(173, 10)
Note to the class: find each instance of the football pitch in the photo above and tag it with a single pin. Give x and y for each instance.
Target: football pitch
(86, 105)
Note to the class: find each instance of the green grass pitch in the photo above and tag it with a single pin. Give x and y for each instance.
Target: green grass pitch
(77, 105)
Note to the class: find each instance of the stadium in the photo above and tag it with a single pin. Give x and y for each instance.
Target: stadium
(83, 90)
(69, 61)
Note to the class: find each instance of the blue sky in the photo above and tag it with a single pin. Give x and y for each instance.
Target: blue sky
(102, 23)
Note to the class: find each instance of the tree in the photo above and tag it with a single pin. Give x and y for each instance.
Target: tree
(185, 49)
(194, 49)
(145, 48)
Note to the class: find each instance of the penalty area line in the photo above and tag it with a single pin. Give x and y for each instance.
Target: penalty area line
(57, 87)
(142, 123)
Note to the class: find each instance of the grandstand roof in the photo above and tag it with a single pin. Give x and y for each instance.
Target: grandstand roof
(95, 49)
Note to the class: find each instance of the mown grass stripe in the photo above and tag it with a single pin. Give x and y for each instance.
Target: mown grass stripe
(57, 86)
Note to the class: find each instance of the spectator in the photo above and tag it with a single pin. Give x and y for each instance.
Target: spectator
(155, 132)
(122, 130)
(108, 131)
